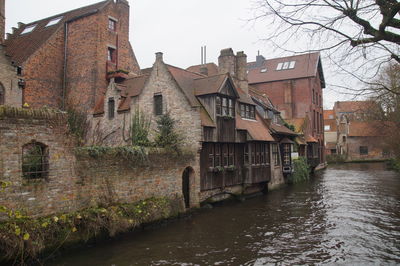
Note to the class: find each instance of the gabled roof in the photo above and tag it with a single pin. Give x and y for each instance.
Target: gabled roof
(307, 65)
(212, 69)
(255, 128)
(213, 84)
(129, 88)
(21, 47)
(354, 106)
(185, 80)
(282, 130)
(262, 99)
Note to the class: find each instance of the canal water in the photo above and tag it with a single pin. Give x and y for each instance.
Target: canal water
(348, 214)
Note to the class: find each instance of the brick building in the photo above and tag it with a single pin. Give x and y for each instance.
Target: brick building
(294, 84)
(10, 87)
(64, 59)
(215, 115)
(330, 132)
(358, 136)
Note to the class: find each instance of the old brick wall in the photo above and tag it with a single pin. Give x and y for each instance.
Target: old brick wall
(9, 81)
(375, 148)
(78, 182)
(88, 42)
(43, 74)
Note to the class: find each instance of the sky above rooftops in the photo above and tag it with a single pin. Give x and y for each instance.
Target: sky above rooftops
(179, 28)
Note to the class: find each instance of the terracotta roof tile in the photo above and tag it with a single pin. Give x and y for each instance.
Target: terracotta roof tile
(280, 129)
(211, 68)
(130, 88)
(354, 106)
(306, 66)
(365, 129)
(311, 139)
(21, 47)
(255, 128)
(99, 107)
(206, 120)
(244, 98)
(209, 85)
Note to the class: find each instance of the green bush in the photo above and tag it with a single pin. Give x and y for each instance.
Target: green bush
(394, 164)
(336, 158)
(301, 171)
(140, 129)
(166, 136)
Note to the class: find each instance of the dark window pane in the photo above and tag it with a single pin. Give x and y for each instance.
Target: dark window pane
(158, 105)
(111, 108)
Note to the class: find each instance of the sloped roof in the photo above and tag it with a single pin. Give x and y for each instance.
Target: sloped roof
(209, 85)
(244, 98)
(298, 123)
(255, 128)
(211, 68)
(206, 120)
(131, 87)
(262, 98)
(21, 47)
(307, 65)
(280, 129)
(366, 129)
(310, 138)
(185, 80)
(354, 106)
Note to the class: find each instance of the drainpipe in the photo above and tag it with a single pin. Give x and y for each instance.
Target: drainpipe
(65, 65)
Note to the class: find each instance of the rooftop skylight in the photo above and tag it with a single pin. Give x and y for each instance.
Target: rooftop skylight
(263, 70)
(286, 65)
(54, 21)
(28, 29)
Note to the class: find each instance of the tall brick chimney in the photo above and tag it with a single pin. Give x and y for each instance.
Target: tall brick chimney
(227, 62)
(2, 20)
(241, 71)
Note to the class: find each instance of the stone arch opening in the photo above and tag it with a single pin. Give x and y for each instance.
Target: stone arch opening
(35, 160)
(187, 178)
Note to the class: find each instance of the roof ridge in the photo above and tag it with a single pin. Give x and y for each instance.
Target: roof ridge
(72, 10)
(191, 72)
(283, 57)
(213, 76)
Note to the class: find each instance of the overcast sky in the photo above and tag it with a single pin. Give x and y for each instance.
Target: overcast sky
(178, 28)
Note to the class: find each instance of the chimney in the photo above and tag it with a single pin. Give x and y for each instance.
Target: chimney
(2, 20)
(227, 62)
(241, 71)
(159, 57)
(260, 60)
(204, 70)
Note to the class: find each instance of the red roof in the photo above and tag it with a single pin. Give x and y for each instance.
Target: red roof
(307, 65)
(354, 106)
(255, 128)
(21, 47)
(366, 129)
(212, 69)
(310, 138)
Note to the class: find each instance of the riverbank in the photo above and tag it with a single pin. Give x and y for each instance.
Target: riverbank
(24, 239)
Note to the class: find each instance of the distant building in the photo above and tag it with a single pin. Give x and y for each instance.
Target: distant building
(65, 59)
(358, 136)
(294, 84)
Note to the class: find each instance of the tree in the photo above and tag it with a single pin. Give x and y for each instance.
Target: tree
(352, 32)
(166, 136)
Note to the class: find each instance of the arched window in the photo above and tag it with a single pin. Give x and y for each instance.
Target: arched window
(35, 160)
(2, 94)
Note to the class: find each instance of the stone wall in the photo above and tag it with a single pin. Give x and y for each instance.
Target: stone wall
(77, 182)
(9, 81)
(375, 148)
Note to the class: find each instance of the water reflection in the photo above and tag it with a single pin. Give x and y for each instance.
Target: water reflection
(348, 214)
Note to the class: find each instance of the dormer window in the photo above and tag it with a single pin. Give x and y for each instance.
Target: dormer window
(263, 70)
(54, 21)
(286, 65)
(247, 111)
(28, 29)
(112, 24)
(224, 106)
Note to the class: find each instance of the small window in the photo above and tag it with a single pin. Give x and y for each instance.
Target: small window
(292, 64)
(111, 54)
(279, 67)
(330, 117)
(275, 154)
(2, 95)
(19, 71)
(217, 155)
(285, 65)
(327, 127)
(225, 154)
(218, 105)
(35, 161)
(112, 24)
(28, 29)
(263, 70)
(231, 154)
(363, 150)
(211, 155)
(111, 108)
(54, 21)
(333, 151)
(158, 104)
